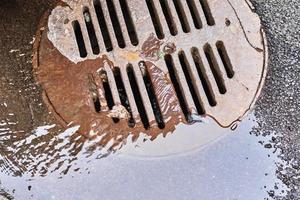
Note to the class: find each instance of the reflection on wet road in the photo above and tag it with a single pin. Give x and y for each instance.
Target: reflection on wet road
(218, 162)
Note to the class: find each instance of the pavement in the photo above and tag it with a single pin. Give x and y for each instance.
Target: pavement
(277, 110)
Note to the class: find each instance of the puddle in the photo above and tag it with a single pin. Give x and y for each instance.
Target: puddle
(220, 163)
(184, 140)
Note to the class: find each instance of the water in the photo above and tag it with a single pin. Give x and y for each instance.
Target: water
(202, 161)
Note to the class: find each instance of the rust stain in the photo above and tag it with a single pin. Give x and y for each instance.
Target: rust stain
(73, 84)
(151, 48)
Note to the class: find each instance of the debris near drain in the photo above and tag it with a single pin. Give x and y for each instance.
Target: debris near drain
(119, 112)
(197, 119)
(151, 48)
(169, 48)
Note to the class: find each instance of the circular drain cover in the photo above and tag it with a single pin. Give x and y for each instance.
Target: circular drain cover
(126, 67)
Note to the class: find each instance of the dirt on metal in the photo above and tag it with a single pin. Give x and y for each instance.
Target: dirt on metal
(217, 51)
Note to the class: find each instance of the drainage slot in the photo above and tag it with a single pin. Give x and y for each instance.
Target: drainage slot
(94, 93)
(169, 17)
(129, 23)
(152, 96)
(137, 96)
(186, 69)
(174, 78)
(182, 16)
(91, 31)
(203, 77)
(123, 95)
(97, 105)
(195, 15)
(225, 59)
(215, 68)
(107, 90)
(103, 26)
(79, 39)
(155, 19)
(115, 23)
(207, 12)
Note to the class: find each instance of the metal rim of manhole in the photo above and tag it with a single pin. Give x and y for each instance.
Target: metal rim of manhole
(122, 68)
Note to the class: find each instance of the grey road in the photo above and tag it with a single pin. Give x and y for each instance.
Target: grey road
(267, 168)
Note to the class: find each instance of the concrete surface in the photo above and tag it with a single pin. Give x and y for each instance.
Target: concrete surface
(277, 111)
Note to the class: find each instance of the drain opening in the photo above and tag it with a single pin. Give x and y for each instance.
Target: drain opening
(203, 77)
(137, 96)
(123, 95)
(195, 14)
(94, 93)
(91, 31)
(155, 19)
(116, 24)
(182, 16)
(178, 89)
(107, 91)
(79, 39)
(129, 23)
(103, 25)
(97, 105)
(191, 83)
(152, 96)
(169, 18)
(207, 13)
(215, 68)
(225, 59)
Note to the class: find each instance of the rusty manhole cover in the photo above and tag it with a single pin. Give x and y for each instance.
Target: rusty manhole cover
(126, 67)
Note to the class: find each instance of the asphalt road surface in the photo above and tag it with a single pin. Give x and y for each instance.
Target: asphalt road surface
(277, 111)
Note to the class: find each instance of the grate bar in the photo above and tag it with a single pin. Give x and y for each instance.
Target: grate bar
(155, 19)
(142, 88)
(221, 65)
(215, 68)
(112, 84)
(100, 89)
(137, 96)
(109, 24)
(188, 15)
(201, 13)
(194, 14)
(184, 86)
(173, 18)
(156, 107)
(102, 26)
(130, 95)
(85, 35)
(225, 59)
(91, 31)
(207, 12)
(196, 78)
(97, 29)
(122, 22)
(126, 21)
(191, 83)
(209, 72)
(162, 18)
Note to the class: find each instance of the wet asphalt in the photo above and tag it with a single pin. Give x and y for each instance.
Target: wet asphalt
(277, 110)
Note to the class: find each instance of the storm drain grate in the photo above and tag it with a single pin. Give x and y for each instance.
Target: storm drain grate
(120, 67)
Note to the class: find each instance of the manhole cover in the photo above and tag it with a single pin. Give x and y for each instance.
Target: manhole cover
(126, 67)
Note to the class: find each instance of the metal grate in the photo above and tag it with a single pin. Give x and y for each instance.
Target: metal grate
(152, 64)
